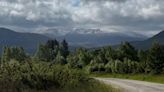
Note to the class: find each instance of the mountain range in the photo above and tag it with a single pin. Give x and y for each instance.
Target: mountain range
(148, 42)
(89, 38)
(29, 41)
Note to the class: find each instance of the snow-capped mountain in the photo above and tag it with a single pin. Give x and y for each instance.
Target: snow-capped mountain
(57, 32)
(91, 37)
(86, 31)
(53, 33)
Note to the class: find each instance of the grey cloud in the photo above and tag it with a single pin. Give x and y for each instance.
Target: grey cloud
(132, 15)
(105, 1)
(33, 13)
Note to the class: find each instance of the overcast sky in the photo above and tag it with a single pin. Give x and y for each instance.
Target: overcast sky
(143, 16)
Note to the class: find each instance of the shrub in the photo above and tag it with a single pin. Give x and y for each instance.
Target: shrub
(39, 76)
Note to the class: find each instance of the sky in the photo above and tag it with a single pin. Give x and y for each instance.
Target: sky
(141, 16)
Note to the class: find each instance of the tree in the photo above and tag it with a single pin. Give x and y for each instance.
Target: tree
(83, 57)
(142, 57)
(126, 50)
(20, 55)
(155, 58)
(110, 54)
(52, 44)
(16, 53)
(60, 59)
(130, 66)
(108, 67)
(43, 53)
(64, 48)
(98, 60)
(6, 55)
(73, 61)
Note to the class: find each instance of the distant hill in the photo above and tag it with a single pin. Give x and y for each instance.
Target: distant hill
(92, 38)
(148, 42)
(29, 41)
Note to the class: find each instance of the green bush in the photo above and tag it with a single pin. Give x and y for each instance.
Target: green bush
(40, 76)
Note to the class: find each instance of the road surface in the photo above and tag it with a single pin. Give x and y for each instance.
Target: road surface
(133, 85)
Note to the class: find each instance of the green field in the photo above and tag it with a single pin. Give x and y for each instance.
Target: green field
(142, 77)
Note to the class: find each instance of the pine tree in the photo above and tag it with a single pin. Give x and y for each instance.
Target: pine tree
(64, 48)
(142, 55)
(52, 44)
(155, 58)
(126, 50)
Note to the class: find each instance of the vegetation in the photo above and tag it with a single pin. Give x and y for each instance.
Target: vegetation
(126, 62)
(53, 67)
(47, 71)
(123, 60)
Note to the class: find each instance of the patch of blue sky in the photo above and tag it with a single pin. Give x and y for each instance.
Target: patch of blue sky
(76, 3)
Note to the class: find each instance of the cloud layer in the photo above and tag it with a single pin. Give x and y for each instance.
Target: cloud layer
(110, 15)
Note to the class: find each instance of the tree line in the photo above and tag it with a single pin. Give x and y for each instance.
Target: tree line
(125, 59)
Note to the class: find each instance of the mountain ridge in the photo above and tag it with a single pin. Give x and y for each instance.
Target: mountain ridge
(94, 37)
(145, 44)
(29, 41)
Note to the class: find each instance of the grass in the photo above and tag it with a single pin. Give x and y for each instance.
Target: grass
(141, 77)
(92, 86)
(45, 77)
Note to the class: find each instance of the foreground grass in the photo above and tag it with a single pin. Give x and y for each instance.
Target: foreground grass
(91, 86)
(142, 77)
(46, 77)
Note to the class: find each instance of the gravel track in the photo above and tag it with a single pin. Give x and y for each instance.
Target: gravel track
(133, 85)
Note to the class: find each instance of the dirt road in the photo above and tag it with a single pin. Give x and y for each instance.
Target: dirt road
(133, 85)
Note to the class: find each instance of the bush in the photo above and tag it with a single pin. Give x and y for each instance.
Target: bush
(39, 76)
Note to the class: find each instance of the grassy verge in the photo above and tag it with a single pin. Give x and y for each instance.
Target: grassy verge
(91, 86)
(142, 77)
